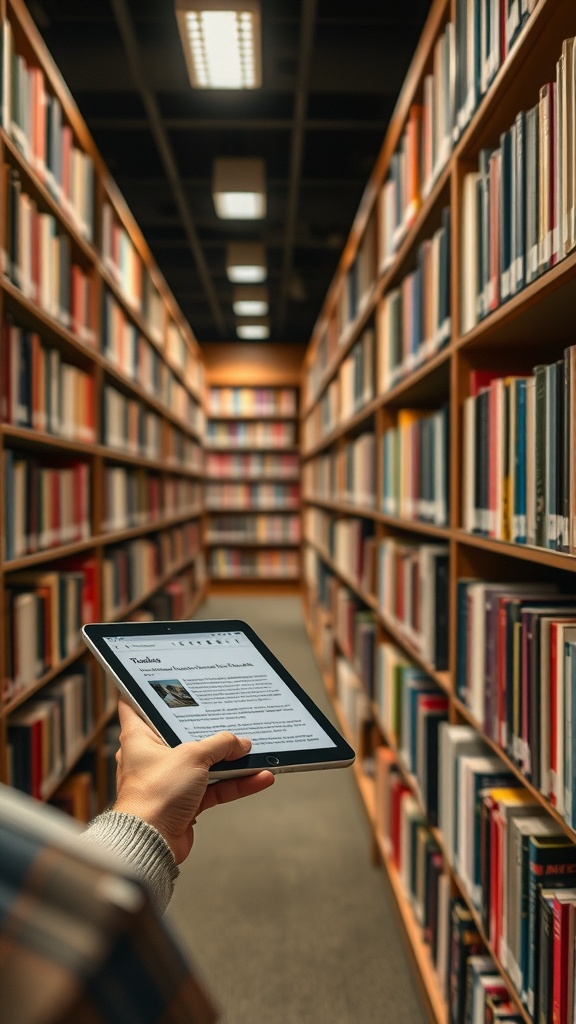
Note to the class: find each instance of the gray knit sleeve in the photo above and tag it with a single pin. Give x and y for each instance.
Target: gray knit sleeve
(142, 847)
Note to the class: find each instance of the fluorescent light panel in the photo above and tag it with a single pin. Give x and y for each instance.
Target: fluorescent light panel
(221, 42)
(253, 329)
(248, 301)
(239, 188)
(246, 262)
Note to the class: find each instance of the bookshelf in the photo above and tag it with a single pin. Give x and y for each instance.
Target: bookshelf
(252, 531)
(435, 493)
(101, 434)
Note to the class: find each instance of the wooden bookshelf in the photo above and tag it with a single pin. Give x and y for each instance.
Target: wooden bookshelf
(532, 326)
(100, 370)
(252, 485)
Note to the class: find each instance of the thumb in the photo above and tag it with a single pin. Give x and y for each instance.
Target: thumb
(223, 746)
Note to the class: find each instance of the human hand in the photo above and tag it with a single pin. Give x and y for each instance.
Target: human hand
(168, 786)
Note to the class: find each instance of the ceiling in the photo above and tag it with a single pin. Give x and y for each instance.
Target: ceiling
(332, 71)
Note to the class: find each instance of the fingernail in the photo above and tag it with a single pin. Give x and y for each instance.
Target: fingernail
(246, 743)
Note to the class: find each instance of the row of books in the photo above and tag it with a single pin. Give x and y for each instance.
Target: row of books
(270, 529)
(182, 496)
(415, 467)
(414, 318)
(353, 701)
(354, 631)
(46, 504)
(517, 866)
(413, 595)
(252, 401)
(45, 610)
(520, 204)
(357, 283)
(178, 349)
(410, 707)
(320, 477)
(174, 600)
(35, 120)
(484, 34)
(122, 261)
(232, 563)
(124, 345)
(182, 404)
(357, 376)
(133, 497)
(129, 426)
(131, 570)
(326, 346)
(50, 605)
(181, 450)
(324, 417)
(467, 974)
(346, 474)
(228, 495)
(518, 431)
(250, 435)
(514, 671)
(350, 544)
(44, 392)
(250, 465)
(356, 471)
(415, 858)
(38, 259)
(46, 734)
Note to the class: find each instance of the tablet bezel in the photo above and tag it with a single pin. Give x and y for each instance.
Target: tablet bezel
(96, 634)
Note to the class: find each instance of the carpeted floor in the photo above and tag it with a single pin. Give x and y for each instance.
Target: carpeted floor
(284, 915)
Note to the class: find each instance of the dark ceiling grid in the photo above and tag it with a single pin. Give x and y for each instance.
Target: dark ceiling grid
(126, 29)
(308, 24)
(332, 70)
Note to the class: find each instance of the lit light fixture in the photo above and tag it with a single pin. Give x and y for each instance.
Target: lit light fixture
(239, 188)
(221, 41)
(250, 301)
(246, 262)
(254, 329)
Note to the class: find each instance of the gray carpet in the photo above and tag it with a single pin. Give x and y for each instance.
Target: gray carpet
(284, 916)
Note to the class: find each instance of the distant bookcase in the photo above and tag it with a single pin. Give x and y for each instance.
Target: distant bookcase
(252, 490)
(439, 503)
(101, 432)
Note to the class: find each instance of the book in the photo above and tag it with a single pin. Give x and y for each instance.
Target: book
(551, 860)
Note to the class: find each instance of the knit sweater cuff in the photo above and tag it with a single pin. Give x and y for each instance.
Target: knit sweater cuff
(142, 847)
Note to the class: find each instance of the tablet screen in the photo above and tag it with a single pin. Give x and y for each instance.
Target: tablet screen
(203, 682)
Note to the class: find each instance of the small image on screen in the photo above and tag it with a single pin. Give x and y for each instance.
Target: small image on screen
(174, 694)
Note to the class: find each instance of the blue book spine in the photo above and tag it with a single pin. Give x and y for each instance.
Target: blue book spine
(551, 459)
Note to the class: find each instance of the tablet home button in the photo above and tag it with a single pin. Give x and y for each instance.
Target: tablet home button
(273, 760)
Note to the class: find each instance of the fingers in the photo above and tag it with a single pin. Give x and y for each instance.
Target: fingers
(226, 790)
(223, 746)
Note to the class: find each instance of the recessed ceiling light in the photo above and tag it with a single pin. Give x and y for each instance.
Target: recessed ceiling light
(253, 330)
(246, 262)
(221, 41)
(239, 188)
(250, 301)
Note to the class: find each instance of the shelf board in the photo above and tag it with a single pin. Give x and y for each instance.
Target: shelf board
(226, 542)
(44, 320)
(523, 552)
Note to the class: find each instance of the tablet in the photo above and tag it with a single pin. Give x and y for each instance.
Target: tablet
(191, 679)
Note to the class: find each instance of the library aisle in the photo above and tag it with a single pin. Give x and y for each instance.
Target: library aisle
(277, 904)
